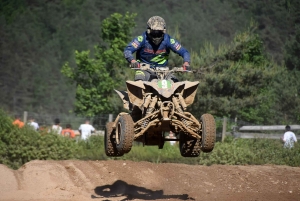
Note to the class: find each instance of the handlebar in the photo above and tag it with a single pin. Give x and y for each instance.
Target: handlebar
(162, 69)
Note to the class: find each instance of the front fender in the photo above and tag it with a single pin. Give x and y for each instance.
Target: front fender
(166, 92)
(124, 97)
(135, 92)
(189, 93)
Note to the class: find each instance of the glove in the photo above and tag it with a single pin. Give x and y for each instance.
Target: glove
(186, 66)
(135, 64)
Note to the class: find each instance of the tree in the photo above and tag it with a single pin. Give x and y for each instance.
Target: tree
(235, 79)
(286, 88)
(292, 51)
(11, 8)
(95, 78)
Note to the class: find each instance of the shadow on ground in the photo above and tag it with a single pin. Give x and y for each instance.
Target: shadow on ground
(121, 189)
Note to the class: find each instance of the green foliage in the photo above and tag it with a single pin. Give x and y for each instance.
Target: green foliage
(116, 32)
(92, 149)
(18, 146)
(11, 8)
(286, 90)
(292, 51)
(231, 152)
(93, 82)
(235, 79)
(280, 14)
(96, 78)
(248, 47)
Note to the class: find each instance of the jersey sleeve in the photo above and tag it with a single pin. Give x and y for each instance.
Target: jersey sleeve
(132, 47)
(295, 138)
(176, 47)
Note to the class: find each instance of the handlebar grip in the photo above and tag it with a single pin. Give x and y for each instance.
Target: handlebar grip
(178, 68)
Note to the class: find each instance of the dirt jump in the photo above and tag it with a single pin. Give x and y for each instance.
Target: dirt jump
(127, 180)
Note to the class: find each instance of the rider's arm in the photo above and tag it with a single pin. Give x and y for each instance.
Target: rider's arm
(132, 47)
(176, 47)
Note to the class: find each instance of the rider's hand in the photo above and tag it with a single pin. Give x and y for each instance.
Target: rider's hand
(134, 64)
(186, 66)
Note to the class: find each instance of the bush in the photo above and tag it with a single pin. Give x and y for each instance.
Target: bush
(92, 149)
(18, 146)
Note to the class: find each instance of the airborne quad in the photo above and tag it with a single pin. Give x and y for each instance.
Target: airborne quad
(158, 107)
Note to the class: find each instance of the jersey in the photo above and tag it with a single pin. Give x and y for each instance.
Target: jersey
(56, 129)
(86, 130)
(19, 123)
(34, 125)
(289, 138)
(152, 54)
(68, 133)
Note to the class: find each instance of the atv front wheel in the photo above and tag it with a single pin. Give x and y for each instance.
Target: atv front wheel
(124, 133)
(208, 132)
(110, 142)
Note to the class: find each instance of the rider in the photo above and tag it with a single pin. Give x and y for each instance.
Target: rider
(153, 47)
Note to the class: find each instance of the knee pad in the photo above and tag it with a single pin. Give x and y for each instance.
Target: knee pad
(139, 75)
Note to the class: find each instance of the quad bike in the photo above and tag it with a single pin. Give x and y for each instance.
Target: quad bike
(157, 107)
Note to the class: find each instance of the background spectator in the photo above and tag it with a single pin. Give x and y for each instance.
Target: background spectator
(289, 138)
(18, 122)
(33, 124)
(68, 132)
(86, 130)
(56, 128)
(171, 136)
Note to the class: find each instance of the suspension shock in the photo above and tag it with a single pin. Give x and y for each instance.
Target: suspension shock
(176, 102)
(149, 111)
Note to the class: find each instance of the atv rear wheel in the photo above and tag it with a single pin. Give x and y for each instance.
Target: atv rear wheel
(124, 133)
(189, 146)
(208, 132)
(110, 142)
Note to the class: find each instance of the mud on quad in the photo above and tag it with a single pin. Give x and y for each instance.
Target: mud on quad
(157, 107)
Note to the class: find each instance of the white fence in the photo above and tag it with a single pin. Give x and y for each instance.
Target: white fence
(270, 132)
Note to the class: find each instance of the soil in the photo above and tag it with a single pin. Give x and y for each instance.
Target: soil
(127, 180)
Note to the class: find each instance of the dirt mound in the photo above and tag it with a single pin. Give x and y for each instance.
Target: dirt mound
(127, 180)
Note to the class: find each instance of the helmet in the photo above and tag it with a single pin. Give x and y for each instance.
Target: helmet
(156, 28)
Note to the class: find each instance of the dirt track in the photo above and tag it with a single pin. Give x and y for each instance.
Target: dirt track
(127, 180)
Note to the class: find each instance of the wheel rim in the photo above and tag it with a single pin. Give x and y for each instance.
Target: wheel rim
(118, 129)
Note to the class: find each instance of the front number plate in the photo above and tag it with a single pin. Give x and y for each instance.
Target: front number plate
(164, 84)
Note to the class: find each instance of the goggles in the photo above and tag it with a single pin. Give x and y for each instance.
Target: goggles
(156, 33)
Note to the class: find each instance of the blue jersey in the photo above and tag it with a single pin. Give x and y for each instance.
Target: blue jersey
(156, 55)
